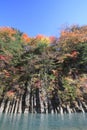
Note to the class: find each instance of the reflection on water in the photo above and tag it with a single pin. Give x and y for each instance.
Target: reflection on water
(43, 122)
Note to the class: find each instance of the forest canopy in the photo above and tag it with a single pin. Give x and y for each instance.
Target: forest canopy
(50, 64)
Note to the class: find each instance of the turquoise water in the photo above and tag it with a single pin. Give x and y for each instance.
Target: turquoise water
(43, 122)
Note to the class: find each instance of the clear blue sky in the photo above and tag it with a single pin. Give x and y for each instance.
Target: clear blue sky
(42, 16)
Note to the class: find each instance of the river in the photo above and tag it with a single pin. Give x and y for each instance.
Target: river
(76, 121)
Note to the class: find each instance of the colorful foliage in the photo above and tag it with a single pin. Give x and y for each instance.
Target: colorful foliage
(42, 39)
(58, 67)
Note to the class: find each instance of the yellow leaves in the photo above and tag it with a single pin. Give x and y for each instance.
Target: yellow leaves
(47, 40)
(39, 37)
(83, 81)
(37, 66)
(43, 39)
(70, 80)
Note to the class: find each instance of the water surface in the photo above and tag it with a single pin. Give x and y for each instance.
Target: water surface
(43, 122)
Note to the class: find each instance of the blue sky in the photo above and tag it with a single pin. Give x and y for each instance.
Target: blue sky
(46, 17)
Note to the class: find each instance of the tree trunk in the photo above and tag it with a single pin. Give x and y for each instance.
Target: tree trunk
(24, 99)
(38, 107)
(5, 105)
(30, 101)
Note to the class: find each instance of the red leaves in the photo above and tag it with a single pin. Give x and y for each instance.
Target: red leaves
(74, 53)
(5, 58)
(2, 57)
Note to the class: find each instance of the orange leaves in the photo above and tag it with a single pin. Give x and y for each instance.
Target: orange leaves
(8, 34)
(7, 31)
(52, 39)
(74, 35)
(55, 72)
(25, 38)
(74, 53)
(39, 37)
(71, 38)
(10, 94)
